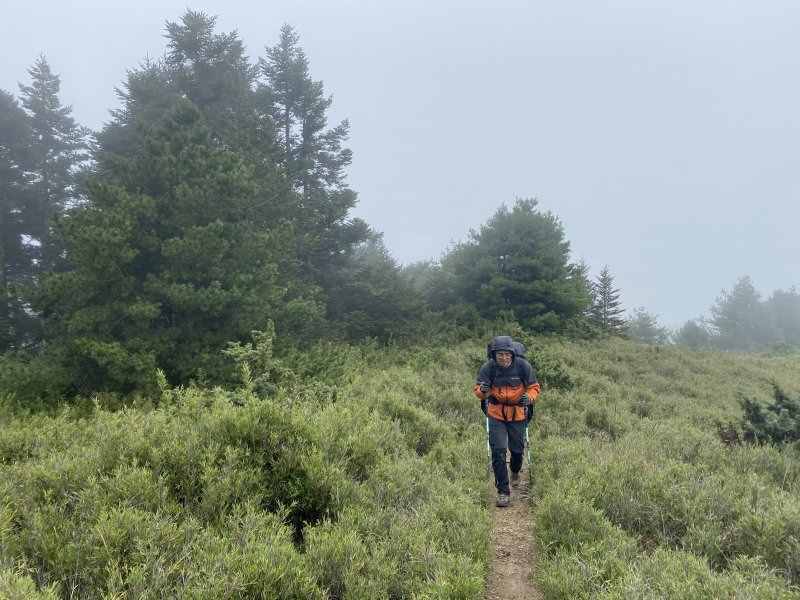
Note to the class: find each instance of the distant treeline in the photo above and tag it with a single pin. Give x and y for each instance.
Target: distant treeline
(740, 320)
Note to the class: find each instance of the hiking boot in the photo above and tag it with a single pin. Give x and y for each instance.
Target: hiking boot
(503, 500)
(514, 479)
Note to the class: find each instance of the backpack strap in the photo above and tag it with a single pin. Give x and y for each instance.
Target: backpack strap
(520, 373)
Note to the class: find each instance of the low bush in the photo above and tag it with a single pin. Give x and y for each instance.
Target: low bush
(638, 497)
(551, 370)
(582, 550)
(775, 423)
(682, 575)
(352, 485)
(15, 584)
(364, 476)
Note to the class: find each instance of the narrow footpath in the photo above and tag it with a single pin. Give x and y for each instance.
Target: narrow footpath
(512, 548)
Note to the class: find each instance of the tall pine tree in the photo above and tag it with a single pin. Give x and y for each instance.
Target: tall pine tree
(607, 309)
(16, 256)
(246, 108)
(59, 147)
(314, 158)
(212, 71)
(172, 260)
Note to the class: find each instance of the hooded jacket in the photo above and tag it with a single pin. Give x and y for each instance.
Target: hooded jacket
(506, 388)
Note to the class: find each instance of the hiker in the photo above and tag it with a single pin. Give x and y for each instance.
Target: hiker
(507, 388)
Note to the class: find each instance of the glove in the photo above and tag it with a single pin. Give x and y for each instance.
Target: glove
(524, 400)
(529, 411)
(484, 387)
(485, 407)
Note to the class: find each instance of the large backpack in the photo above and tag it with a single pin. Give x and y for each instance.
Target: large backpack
(518, 348)
(499, 342)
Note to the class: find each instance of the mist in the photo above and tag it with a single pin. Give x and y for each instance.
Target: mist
(662, 134)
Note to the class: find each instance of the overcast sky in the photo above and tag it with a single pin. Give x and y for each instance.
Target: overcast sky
(663, 134)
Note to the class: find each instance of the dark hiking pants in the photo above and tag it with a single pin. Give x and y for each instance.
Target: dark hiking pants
(504, 435)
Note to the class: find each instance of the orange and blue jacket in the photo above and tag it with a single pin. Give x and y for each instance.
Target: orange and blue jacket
(506, 387)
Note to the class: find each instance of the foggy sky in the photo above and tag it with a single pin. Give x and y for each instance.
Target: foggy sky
(663, 134)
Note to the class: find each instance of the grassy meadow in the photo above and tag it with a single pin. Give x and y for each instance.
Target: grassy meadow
(363, 476)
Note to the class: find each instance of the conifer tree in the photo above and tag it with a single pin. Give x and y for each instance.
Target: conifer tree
(172, 260)
(518, 262)
(644, 327)
(694, 334)
(211, 70)
(314, 158)
(740, 318)
(783, 312)
(579, 271)
(243, 105)
(16, 256)
(581, 325)
(208, 68)
(606, 304)
(375, 299)
(59, 147)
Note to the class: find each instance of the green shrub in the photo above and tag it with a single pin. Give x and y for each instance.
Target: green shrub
(602, 420)
(9, 543)
(684, 576)
(776, 423)
(582, 575)
(16, 585)
(725, 515)
(251, 557)
(374, 490)
(642, 404)
(779, 465)
(455, 577)
(549, 364)
(356, 438)
(420, 428)
(344, 565)
(565, 522)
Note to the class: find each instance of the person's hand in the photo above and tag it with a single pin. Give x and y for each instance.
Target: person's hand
(524, 400)
(485, 407)
(484, 387)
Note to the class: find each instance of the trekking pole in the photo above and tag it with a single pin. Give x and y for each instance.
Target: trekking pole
(488, 448)
(528, 445)
(528, 441)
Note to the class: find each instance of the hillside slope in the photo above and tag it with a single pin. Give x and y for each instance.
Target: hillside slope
(637, 494)
(364, 476)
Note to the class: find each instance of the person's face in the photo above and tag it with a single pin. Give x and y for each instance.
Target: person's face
(503, 358)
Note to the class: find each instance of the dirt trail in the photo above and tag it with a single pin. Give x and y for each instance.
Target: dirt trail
(512, 549)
